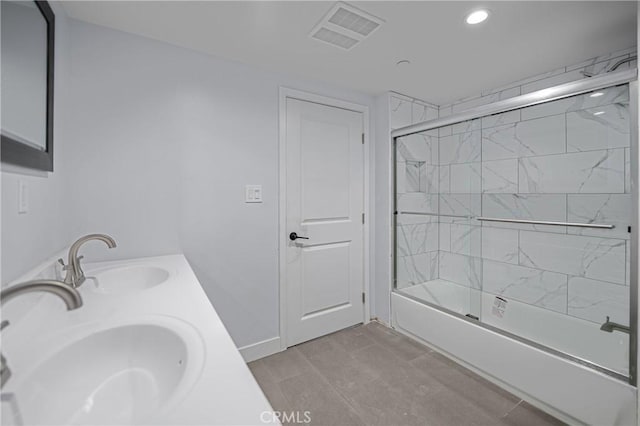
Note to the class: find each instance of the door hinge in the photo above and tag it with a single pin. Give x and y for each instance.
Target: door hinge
(363, 297)
(363, 139)
(363, 218)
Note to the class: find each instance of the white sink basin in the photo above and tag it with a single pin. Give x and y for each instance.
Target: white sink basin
(126, 279)
(118, 376)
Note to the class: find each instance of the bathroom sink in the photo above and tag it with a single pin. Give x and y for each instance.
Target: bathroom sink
(126, 279)
(121, 375)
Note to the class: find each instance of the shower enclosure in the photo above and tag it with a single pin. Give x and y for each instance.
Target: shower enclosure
(520, 218)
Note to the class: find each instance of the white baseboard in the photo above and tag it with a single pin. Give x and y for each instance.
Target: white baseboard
(260, 349)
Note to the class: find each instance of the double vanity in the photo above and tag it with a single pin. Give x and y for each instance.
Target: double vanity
(145, 347)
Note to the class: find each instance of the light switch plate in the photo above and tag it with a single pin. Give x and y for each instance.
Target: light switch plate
(253, 194)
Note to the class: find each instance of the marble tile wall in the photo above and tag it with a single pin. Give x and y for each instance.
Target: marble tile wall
(566, 160)
(561, 161)
(534, 286)
(595, 66)
(417, 187)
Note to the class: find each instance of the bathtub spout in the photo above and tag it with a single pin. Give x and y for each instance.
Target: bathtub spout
(609, 326)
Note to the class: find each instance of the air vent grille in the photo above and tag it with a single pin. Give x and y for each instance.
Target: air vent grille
(334, 38)
(353, 22)
(345, 26)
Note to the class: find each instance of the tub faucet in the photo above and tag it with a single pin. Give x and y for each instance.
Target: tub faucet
(609, 326)
(75, 275)
(69, 295)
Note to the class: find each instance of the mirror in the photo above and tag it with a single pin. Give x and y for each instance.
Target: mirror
(26, 83)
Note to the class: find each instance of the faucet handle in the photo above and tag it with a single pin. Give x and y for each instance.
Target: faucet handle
(64, 267)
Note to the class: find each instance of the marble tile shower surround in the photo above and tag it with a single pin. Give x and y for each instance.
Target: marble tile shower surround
(595, 66)
(566, 160)
(417, 156)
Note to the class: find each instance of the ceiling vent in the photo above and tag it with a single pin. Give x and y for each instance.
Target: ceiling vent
(345, 26)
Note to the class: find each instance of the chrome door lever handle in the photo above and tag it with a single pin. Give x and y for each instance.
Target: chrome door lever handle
(293, 236)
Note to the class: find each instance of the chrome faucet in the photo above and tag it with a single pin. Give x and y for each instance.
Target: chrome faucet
(69, 295)
(609, 326)
(75, 275)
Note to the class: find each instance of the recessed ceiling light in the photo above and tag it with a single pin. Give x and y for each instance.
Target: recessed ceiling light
(403, 64)
(596, 94)
(598, 113)
(477, 16)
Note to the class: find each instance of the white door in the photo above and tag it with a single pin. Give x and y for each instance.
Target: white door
(325, 204)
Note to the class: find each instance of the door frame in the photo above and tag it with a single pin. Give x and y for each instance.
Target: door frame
(289, 93)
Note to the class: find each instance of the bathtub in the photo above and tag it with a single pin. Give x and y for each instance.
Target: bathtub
(565, 388)
(587, 343)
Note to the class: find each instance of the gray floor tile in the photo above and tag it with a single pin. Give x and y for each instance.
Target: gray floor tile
(401, 346)
(274, 394)
(415, 388)
(378, 404)
(332, 417)
(260, 371)
(286, 364)
(341, 369)
(383, 362)
(310, 392)
(527, 415)
(317, 347)
(447, 409)
(353, 339)
(466, 385)
(375, 376)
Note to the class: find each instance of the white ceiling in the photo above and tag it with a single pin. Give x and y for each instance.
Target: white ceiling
(449, 59)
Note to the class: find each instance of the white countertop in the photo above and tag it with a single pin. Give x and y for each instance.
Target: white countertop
(223, 393)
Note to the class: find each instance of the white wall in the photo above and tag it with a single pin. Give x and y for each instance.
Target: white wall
(381, 282)
(164, 140)
(28, 239)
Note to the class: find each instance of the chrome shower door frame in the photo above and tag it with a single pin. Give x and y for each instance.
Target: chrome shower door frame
(538, 97)
(635, 222)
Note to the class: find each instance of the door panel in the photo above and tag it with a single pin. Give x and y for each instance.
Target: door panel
(325, 281)
(325, 169)
(325, 201)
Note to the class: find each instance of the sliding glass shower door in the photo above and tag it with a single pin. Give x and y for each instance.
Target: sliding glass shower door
(521, 221)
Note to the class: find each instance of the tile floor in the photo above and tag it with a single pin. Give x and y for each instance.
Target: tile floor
(373, 375)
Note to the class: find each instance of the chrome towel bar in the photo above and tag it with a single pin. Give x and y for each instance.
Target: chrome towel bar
(545, 222)
(436, 214)
(532, 222)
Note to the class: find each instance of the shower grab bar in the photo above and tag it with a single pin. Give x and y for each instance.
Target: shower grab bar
(545, 222)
